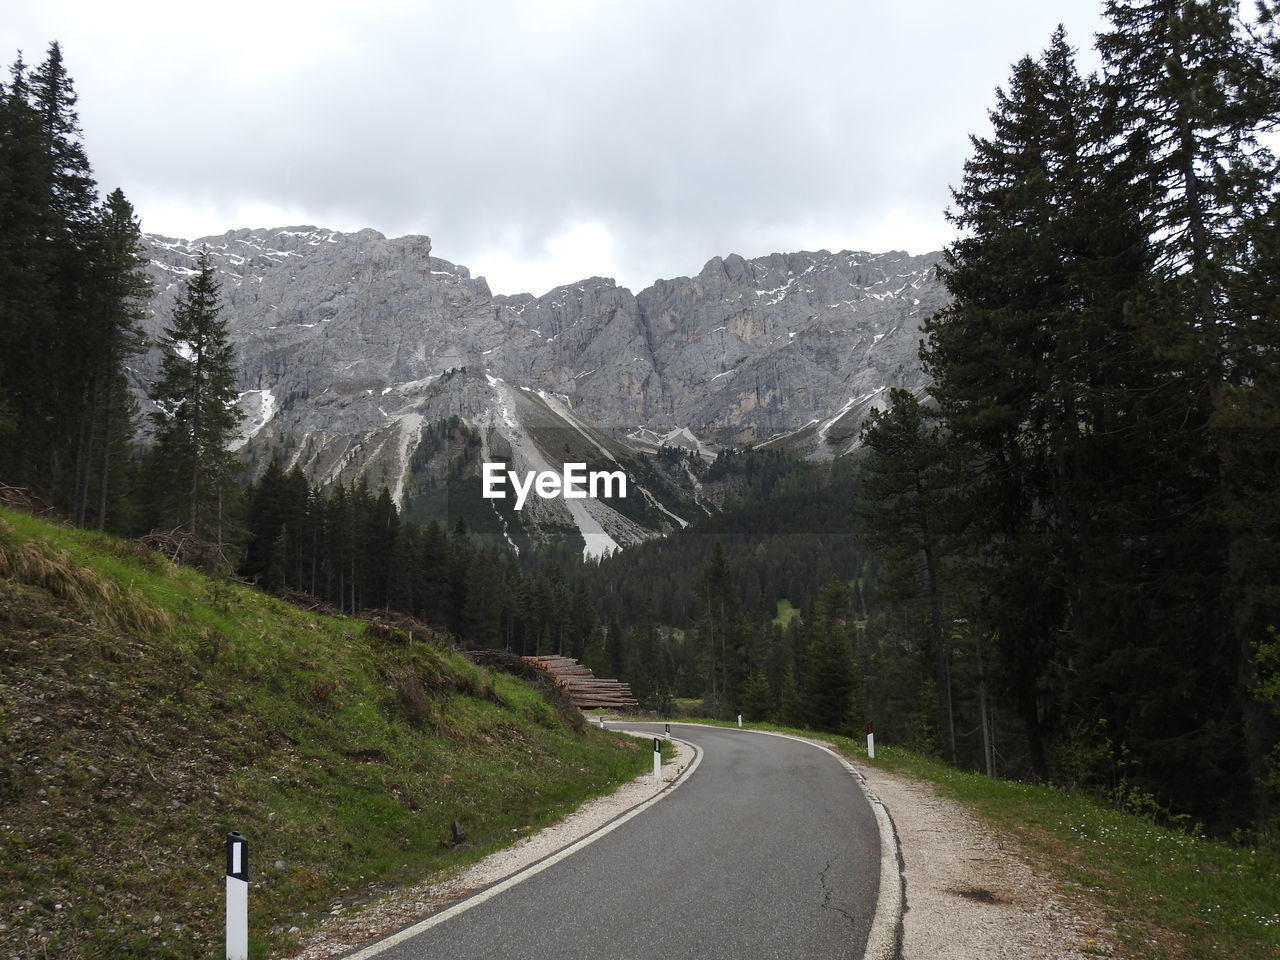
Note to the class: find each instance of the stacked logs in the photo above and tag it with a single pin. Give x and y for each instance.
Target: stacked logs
(586, 691)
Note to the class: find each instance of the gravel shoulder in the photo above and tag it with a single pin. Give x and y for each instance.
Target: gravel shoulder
(973, 894)
(341, 935)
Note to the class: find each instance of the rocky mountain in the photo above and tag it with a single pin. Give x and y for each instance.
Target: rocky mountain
(351, 346)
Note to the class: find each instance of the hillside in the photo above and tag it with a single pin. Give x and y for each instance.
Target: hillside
(145, 710)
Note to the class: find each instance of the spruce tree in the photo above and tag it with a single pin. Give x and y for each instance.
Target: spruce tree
(46, 219)
(1001, 354)
(118, 292)
(196, 412)
(911, 473)
(828, 684)
(1194, 91)
(791, 704)
(757, 698)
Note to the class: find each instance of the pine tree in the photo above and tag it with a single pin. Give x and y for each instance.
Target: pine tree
(828, 684)
(791, 706)
(25, 277)
(196, 412)
(118, 291)
(911, 471)
(1194, 92)
(1038, 373)
(720, 633)
(757, 699)
(46, 219)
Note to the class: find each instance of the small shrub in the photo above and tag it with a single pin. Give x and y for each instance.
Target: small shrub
(412, 698)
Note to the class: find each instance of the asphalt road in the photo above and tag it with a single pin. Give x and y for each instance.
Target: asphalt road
(770, 850)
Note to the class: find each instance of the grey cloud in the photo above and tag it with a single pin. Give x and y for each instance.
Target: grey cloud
(688, 129)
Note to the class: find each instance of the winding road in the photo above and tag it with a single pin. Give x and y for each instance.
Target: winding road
(768, 849)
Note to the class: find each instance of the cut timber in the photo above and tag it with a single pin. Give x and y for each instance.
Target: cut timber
(584, 689)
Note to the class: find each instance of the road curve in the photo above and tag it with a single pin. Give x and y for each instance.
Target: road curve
(770, 850)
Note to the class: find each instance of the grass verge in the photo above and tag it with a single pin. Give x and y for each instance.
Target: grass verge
(145, 710)
(1170, 895)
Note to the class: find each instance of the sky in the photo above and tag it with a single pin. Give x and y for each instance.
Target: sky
(542, 142)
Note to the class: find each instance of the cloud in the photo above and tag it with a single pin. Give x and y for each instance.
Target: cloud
(579, 251)
(538, 142)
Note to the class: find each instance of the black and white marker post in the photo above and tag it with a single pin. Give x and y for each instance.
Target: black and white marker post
(237, 897)
(871, 741)
(657, 759)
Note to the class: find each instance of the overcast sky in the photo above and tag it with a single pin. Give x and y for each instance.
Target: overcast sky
(545, 141)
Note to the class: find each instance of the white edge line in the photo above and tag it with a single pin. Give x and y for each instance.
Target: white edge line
(883, 938)
(489, 893)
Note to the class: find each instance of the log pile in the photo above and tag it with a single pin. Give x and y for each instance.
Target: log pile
(586, 691)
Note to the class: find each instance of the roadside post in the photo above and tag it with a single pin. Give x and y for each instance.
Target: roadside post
(739, 721)
(657, 759)
(666, 730)
(237, 897)
(871, 741)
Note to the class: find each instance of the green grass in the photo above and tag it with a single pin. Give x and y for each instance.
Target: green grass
(1169, 894)
(145, 710)
(786, 613)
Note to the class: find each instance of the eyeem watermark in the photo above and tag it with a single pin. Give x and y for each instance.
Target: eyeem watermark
(548, 484)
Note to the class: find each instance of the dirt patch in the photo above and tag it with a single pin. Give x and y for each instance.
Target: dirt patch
(979, 895)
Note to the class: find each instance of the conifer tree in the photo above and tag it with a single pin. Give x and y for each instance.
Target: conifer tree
(118, 292)
(1016, 282)
(196, 412)
(828, 685)
(1194, 92)
(757, 698)
(46, 218)
(911, 472)
(791, 707)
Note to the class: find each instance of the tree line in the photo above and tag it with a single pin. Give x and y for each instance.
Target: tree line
(352, 549)
(1079, 514)
(73, 289)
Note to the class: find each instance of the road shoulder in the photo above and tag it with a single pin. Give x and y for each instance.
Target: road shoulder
(972, 894)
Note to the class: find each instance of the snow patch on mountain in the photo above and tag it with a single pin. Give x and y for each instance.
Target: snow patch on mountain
(528, 456)
(258, 406)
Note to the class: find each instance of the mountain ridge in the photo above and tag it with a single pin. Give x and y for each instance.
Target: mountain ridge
(349, 344)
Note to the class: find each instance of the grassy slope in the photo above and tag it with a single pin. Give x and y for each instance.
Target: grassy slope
(1169, 894)
(786, 613)
(145, 710)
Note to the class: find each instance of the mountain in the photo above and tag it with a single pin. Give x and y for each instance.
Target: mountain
(355, 350)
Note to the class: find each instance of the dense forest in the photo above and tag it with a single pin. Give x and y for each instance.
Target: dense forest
(1058, 562)
(1083, 505)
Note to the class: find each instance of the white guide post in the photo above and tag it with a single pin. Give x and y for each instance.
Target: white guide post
(871, 741)
(666, 730)
(237, 897)
(657, 758)
(739, 720)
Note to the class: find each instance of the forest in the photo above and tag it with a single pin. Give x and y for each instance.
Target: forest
(1059, 562)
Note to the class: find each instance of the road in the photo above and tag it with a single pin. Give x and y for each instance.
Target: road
(769, 850)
